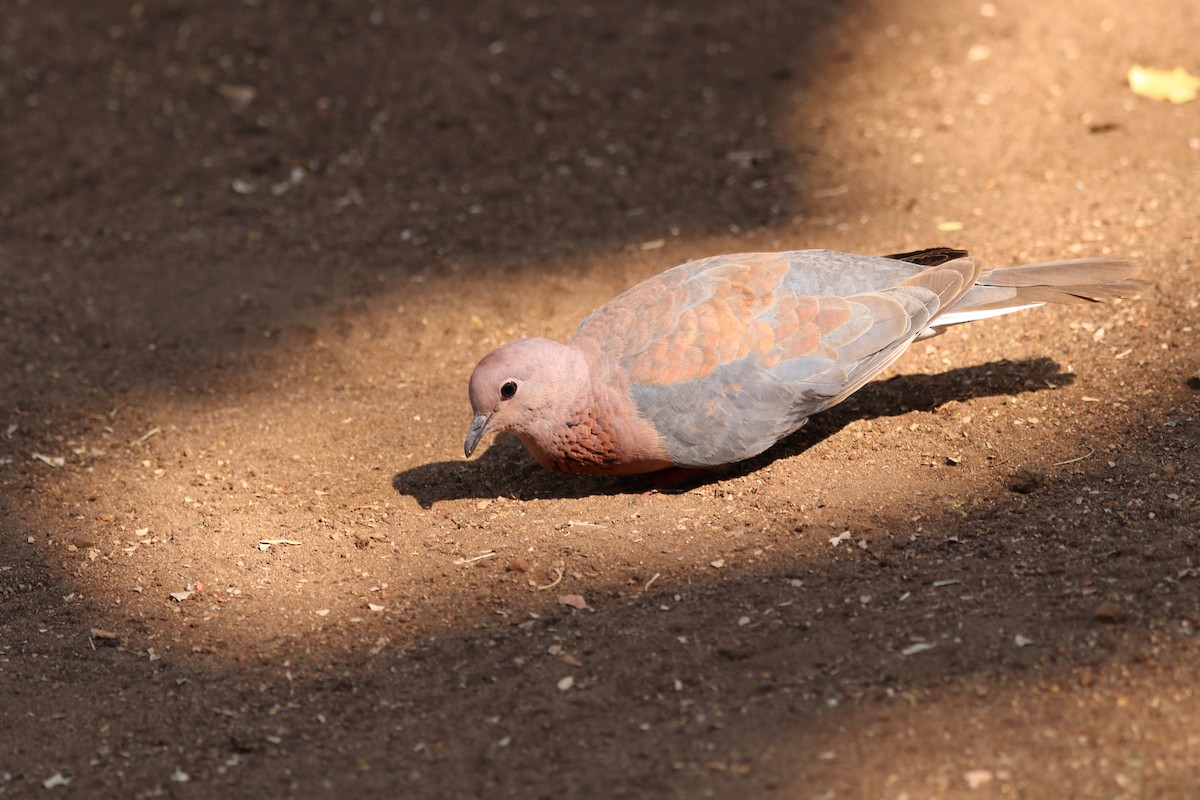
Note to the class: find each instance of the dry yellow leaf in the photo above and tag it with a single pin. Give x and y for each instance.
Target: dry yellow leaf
(1174, 86)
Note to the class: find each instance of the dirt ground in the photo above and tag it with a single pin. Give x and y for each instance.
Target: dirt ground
(250, 252)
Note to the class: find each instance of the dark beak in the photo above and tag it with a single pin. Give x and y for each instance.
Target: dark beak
(478, 429)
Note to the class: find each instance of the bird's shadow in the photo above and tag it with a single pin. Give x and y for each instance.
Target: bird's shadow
(505, 469)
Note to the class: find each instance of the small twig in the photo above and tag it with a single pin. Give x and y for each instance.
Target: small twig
(50, 461)
(480, 557)
(558, 576)
(152, 432)
(1091, 452)
(650, 582)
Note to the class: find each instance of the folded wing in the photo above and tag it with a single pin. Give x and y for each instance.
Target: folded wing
(727, 355)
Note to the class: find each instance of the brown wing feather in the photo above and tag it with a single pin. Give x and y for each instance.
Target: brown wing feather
(683, 323)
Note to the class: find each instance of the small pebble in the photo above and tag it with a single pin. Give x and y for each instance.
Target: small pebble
(1027, 480)
(1108, 612)
(978, 777)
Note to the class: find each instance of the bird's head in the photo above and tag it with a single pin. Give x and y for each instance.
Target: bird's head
(525, 387)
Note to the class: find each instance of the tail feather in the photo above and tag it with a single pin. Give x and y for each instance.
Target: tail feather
(930, 256)
(1077, 281)
(1003, 290)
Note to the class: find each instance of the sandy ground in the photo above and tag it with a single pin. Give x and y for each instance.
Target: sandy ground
(250, 251)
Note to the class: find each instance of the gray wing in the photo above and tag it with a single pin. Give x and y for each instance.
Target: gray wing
(728, 355)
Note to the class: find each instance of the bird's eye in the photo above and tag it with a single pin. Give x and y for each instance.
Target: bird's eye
(508, 389)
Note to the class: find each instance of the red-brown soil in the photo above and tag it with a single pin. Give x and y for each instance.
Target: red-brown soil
(250, 251)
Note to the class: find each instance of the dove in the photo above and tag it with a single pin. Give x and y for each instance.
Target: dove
(714, 361)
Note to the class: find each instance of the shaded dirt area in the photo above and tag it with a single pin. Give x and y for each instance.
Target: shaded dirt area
(249, 253)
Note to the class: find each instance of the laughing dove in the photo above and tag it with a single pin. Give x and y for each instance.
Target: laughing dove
(714, 361)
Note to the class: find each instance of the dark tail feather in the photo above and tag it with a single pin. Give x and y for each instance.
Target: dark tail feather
(930, 256)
